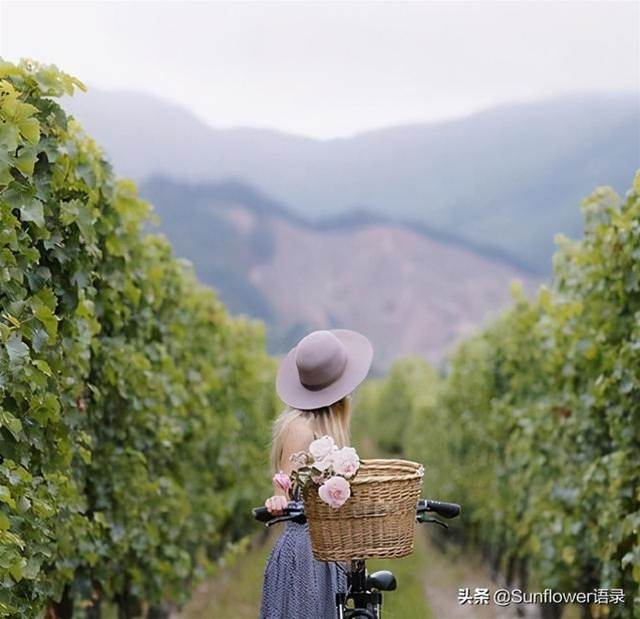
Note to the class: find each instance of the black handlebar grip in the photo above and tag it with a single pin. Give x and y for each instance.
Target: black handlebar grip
(296, 510)
(261, 514)
(446, 510)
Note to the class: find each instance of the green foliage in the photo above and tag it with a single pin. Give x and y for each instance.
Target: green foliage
(132, 406)
(536, 426)
(393, 405)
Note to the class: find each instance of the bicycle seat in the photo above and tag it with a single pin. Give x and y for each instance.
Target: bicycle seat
(383, 580)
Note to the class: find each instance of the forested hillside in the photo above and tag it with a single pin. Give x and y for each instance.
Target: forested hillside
(133, 408)
(423, 291)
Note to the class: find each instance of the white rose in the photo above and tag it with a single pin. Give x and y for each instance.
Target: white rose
(322, 447)
(322, 465)
(345, 461)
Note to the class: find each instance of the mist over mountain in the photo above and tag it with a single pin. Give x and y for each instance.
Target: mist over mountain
(508, 178)
(410, 234)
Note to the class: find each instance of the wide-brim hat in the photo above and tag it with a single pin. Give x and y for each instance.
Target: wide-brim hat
(324, 367)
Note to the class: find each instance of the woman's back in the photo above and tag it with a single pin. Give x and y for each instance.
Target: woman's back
(295, 584)
(315, 380)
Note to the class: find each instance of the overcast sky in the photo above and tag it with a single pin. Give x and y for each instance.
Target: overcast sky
(329, 69)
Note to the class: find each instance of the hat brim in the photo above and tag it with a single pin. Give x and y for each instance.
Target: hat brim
(359, 356)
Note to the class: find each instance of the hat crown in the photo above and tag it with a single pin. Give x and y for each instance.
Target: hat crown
(320, 358)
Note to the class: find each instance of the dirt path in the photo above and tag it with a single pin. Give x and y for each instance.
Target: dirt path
(235, 592)
(445, 575)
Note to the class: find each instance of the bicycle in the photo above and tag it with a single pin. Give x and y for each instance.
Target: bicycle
(363, 589)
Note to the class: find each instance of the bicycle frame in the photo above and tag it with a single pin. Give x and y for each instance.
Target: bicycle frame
(367, 602)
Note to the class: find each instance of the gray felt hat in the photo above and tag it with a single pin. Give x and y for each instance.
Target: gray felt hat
(323, 368)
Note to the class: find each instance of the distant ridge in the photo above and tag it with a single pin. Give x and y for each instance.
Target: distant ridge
(508, 178)
(360, 217)
(234, 191)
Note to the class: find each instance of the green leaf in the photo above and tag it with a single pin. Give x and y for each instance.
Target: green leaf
(85, 222)
(8, 137)
(26, 160)
(48, 319)
(32, 211)
(17, 350)
(43, 508)
(39, 339)
(5, 497)
(5, 170)
(32, 569)
(43, 366)
(16, 569)
(30, 129)
(13, 424)
(69, 211)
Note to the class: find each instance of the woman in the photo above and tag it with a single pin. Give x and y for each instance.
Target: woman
(315, 381)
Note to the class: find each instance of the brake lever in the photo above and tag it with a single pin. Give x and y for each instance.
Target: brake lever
(277, 519)
(423, 518)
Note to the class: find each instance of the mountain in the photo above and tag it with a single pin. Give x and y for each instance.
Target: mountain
(412, 293)
(509, 178)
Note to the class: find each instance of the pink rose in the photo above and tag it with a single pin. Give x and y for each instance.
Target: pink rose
(335, 492)
(322, 447)
(345, 461)
(282, 481)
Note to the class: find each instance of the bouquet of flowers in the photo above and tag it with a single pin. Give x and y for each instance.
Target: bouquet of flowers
(326, 465)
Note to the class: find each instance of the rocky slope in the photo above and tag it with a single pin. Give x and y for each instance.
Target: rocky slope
(410, 292)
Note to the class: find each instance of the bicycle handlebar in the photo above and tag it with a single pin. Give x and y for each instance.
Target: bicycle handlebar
(295, 511)
(446, 510)
(290, 512)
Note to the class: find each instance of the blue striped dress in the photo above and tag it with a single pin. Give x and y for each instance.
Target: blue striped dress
(297, 586)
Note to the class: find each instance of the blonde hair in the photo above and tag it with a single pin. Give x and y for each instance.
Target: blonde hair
(332, 420)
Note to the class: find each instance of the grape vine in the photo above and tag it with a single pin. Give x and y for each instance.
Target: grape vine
(133, 408)
(535, 426)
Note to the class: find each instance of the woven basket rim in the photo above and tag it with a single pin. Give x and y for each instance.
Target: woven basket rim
(414, 470)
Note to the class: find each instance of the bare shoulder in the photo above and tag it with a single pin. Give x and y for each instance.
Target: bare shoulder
(298, 435)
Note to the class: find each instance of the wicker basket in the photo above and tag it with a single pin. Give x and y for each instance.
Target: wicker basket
(377, 521)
